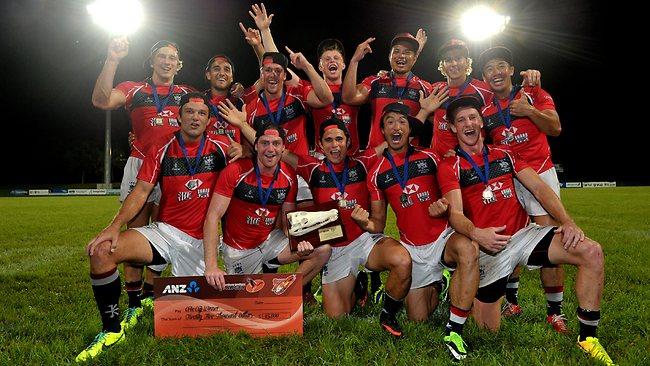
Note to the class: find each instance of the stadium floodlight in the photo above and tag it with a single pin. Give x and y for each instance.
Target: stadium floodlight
(481, 22)
(117, 17)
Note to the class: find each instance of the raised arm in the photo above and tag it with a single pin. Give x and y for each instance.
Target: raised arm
(253, 38)
(104, 96)
(216, 210)
(237, 118)
(353, 93)
(320, 95)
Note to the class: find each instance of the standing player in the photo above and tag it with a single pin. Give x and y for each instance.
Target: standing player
(399, 85)
(479, 185)
(521, 118)
(406, 178)
(152, 105)
(331, 63)
(219, 71)
(254, 196)
(187, 164)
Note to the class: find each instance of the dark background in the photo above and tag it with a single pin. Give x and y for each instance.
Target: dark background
(52, 53)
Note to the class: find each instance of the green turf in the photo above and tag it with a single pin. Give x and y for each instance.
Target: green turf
(48, 313)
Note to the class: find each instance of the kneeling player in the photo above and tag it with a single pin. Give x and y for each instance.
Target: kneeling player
(187, 164)
(252, 194)
(478, 184)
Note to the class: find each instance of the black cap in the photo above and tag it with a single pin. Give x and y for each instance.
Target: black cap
(451, 45)
(207, 66)
(277, 58)
(495, 53)
(402, 109)
(158, 45)
(406, 38)
(330, 44)
(462, 101)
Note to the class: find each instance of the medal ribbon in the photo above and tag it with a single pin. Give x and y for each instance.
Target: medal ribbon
(401, 180)
(265, 193)
(340, 185)
(505, 117)
(160, 104)
(484, 178)
(197, 161)
(275, 118)
(400, 90)
(460, 92)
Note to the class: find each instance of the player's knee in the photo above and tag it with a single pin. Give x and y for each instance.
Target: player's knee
(400, 259)
(466, 253)
(323, 252)
(592, 254)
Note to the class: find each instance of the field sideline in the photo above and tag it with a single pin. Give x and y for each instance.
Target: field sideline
(49, 315)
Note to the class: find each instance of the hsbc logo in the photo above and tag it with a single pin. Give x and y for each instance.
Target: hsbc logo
(411, 188)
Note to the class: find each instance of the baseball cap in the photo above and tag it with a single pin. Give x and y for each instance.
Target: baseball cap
(407, 38)
(495, 53)
(453, 44)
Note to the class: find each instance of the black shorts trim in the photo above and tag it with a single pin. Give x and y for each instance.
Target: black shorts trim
(492, 292)
(156, 258)
(539, 255)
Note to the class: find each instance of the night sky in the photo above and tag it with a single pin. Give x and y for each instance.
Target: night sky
(52, 54)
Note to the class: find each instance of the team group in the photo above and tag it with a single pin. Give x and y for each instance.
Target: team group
(479, 199)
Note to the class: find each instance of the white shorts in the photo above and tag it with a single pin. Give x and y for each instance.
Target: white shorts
(346, 260)
(427, 263)
(528, 200)
(304, 194)
(494, 267)
(130, 177)
(249, 261)
(182, 251)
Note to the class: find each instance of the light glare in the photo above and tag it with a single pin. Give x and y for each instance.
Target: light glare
(117, 17)
(481, 22)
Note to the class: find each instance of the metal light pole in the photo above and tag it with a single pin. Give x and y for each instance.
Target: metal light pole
(107, 151)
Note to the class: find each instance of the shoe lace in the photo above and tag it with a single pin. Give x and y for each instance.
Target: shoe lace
(558, 317)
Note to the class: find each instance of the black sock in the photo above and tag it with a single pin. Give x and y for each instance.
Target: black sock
(512, 289)
(147, 290)
(457, 319)
(375, 281)
(107, 288)
(133, 291)
(267, 269)
(588, 320)
(306, 287)
(361, 285)
(553, 307)
(391, 306)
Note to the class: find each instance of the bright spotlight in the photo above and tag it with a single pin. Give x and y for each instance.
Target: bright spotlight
(117, 17)
(481, 22)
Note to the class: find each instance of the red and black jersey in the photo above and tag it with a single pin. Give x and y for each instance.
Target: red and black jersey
(293, 117)
(411, 203)
(324, 188)
(218, 125)
(248, 223)
(443, 139)
(146, 123)
(346, 113)
(184, 205)
(523, 136)
(504, 208)
(382, 92)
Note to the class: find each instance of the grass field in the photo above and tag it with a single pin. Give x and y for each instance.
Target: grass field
(48, 313)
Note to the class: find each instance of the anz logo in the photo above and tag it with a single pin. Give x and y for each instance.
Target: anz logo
(192, 287)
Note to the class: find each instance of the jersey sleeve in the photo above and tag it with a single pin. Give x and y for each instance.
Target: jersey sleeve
(543, 100)
(376, 194)
(306, 165)
(151, 164)
(126, 88)
(518, 163)
(227, 180)
(367, 82)
(448, 178)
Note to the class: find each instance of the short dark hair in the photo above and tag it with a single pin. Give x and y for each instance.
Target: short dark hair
(186, 98)
(268, 125)
(333, 121)
(495, 53)
(330, 44)
(460, 102)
